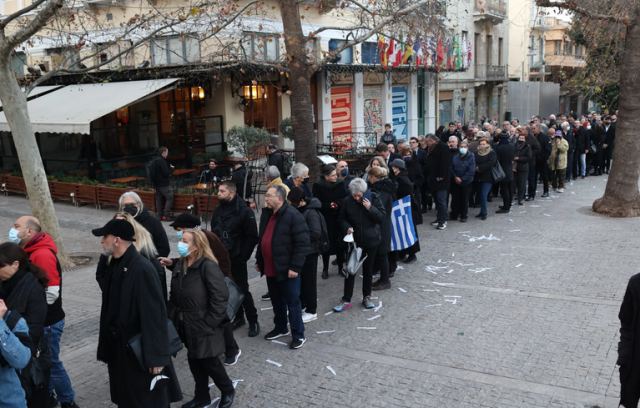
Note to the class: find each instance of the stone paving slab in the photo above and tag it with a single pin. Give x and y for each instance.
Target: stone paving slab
(537, 329)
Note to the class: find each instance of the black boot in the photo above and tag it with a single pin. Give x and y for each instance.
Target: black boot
(226, 400)
(325, 273)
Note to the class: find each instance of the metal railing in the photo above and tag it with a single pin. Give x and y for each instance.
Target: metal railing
(353, 142)
(491, 72)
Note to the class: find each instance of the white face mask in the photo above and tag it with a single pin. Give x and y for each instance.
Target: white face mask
(463, 150)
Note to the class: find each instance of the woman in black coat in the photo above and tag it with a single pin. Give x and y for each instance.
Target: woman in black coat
(486, 158)
(386, 190)
(23, 290)
(522, 159)
(405, 188)
(197, 307)
(505, 152)
(331, 192)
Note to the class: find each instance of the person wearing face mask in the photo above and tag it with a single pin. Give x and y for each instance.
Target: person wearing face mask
(188, 221)
(522, 160)
(42, 250)
(132, 304)
(299, 178)
(342, 168)
(463, 168)
(23, 290)
(130, 202)
(197, 307)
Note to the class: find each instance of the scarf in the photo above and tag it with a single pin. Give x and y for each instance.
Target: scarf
(484, 151)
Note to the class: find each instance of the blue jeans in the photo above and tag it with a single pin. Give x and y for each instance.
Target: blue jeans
(441, 197)
(285, 296)
(59, 381)
(485, 188)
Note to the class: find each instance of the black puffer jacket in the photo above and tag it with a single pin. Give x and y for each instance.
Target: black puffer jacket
(505, 153)
(290, 243)
(313, 217)
(522, 157)
(386, 190)
(438, 167)
(366, 224)
(484, 165)
(329, 193)
(157, 231)
(235, 224)
(197, 306)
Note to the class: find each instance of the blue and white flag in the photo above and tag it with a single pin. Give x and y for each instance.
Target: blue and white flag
(403, 232)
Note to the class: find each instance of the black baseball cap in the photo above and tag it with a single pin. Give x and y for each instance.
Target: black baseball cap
(118, 228)
(186, 220)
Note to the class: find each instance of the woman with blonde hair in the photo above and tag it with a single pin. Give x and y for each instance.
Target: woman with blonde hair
(376, 161)
(197, 307)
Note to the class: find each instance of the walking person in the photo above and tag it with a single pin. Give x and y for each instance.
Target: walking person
(132, 304)
(160, 174)
(558, 161)
(235, 224)
(15, 353)
(42, 252)
(331, 192)
(131, 203)
(505, 152)
(197, 307)
(23, 291)
(522, 161)
(485, 160)
(463, 169)
(361, 216)
(310, 209)
(283, 247)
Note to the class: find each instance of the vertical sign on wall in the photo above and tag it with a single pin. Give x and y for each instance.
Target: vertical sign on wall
(373, 117)
(341, 117)
(400, 109)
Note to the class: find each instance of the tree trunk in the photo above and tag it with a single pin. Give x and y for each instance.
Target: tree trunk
(621, 197)
(299, 84)
(14, 104)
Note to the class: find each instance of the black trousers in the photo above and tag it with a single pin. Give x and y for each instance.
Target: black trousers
(505, 193)
(532, 179)
(309, 284)
(339, 257)
(230, 345)
(608, 154)
(202, 369)
(367, 274)
(570, 172)
(521, 184)
(239, 272)
(460, 200)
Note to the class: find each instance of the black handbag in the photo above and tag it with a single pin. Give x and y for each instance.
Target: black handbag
(497, 173)
(175, 344)
(236, 297)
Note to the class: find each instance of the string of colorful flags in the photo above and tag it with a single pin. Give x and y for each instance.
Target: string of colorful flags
(439, 54)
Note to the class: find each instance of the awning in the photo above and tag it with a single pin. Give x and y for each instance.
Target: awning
(73, 108)
(40, 90)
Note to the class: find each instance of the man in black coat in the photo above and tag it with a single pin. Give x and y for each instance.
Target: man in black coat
(235, 224)
(241, 177)
(506, 152)
(132, 304)
(284, 245)
(609, 140)
(629, 345)
(160, 174)
(541, 169)
(438, 170)
(276, 158)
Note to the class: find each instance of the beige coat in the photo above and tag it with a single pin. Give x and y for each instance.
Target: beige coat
(559, 149)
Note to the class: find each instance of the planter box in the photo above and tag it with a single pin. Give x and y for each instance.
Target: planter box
(63, 191)
(15, 184)
(86, 194)
(148, 199)
(108, 196)
(205, 204)
(181, 202)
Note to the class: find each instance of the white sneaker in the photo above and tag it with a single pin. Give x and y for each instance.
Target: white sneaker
(309, 317)
(561, 190)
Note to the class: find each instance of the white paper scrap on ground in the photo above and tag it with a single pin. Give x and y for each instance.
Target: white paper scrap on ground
(452, 299)
(325, 331)
(275, 363)
(547, 215)
(491, 237)
(452, 296)
(518, 265)
(479, 270)
(236, 382)
(449, 271)
(329, 312)
(443, 284)
(516, 230)
(378, 307)
(375, 317)
(331, 370)
(365, 328)
(400, 268)
(453, 254)
(510, 220)
(279, 342)
(402, 290)
(479, 246)
(434, 305)
(431, 290)
(265, 308)
(523, 212)
(464, 232)
(534, 206)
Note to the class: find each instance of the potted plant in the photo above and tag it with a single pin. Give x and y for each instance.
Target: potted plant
(248, 141)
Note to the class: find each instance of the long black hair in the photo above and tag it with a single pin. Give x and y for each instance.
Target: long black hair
(10, 253)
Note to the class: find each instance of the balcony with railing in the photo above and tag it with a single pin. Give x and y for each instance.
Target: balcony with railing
(490, 10)
(491, 73)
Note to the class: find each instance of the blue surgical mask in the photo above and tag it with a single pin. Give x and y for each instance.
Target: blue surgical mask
(183, 249)
(13, 236)
(179, 235)
(344, 172)
(463, 150)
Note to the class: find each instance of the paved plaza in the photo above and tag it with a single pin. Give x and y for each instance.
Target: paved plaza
(516, 311)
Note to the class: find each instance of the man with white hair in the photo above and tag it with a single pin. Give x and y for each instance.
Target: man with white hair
(272, 174)
(130, 202)
(299, 178)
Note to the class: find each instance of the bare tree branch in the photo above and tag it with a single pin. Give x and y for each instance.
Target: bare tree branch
(23, 34)
(572, 5)
(21, 12)
(319, 30)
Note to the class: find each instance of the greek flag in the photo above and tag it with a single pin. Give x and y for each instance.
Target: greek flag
(403, 233)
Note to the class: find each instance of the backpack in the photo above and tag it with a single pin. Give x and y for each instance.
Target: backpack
(287, 163)
(150, 170)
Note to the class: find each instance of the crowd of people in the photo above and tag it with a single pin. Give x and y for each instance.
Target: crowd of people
(146, 314)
